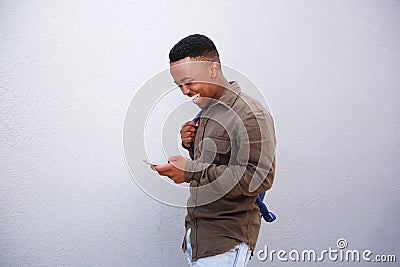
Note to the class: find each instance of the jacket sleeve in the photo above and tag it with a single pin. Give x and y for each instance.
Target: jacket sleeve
(253, 167)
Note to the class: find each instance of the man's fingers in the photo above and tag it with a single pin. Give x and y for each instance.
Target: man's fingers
(163, 169)
(188, 134)
(189, 123)
(186, 141)
(174, 158)
(178, 162)
(188, 129)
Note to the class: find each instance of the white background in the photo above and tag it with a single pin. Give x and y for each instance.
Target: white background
(69, 69)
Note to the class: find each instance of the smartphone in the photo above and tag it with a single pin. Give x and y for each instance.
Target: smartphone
(150, 163)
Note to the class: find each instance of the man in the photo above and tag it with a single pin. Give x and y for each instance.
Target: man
(233, 150)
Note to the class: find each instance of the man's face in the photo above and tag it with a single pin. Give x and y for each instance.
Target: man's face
(194, 79)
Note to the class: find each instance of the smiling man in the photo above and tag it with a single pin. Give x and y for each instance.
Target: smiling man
(233, 151)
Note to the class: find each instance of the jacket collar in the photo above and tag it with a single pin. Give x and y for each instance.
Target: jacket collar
(230, 94)
(228, 98)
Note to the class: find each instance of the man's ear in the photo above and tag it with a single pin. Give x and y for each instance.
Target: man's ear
(214, 69)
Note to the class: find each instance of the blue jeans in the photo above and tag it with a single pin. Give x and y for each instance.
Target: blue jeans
(238, 256)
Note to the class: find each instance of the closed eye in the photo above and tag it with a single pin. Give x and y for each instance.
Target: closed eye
(186, 84)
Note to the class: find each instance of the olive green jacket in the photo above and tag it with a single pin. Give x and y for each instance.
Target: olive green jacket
(234, 161)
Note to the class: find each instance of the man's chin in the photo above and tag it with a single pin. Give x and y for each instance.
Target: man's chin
(202, 103)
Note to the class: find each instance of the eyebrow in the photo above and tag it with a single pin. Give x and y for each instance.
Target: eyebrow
(183, 80)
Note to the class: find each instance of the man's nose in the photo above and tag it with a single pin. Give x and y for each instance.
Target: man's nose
(185, 90)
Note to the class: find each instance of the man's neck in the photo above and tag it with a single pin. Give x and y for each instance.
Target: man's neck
(223, 84)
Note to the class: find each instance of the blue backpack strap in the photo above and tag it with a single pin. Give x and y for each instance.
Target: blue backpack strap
(195, 119)
(265, 213)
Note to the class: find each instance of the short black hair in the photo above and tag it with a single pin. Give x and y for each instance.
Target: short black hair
(195, 46)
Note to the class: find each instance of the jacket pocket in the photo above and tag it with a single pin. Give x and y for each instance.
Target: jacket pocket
(216, 150)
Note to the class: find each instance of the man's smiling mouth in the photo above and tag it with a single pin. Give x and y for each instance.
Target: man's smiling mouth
(195, 98)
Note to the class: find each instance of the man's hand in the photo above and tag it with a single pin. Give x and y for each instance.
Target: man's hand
(174, 169)
(188, 132)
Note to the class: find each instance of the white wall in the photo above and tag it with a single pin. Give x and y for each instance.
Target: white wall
(69, 69)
